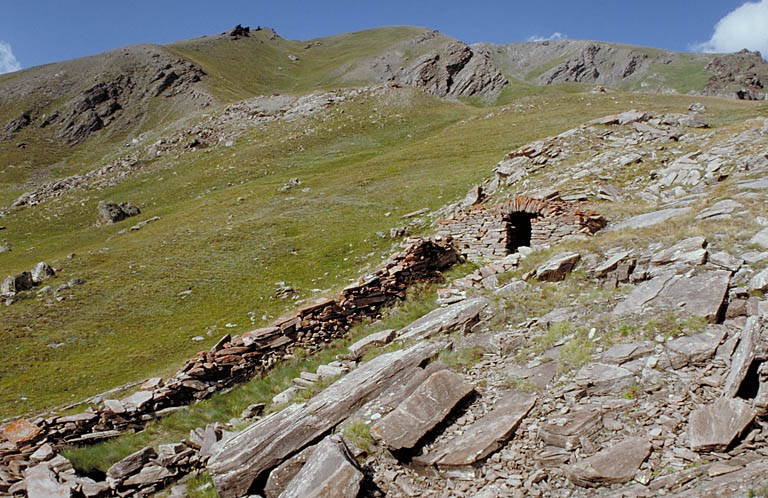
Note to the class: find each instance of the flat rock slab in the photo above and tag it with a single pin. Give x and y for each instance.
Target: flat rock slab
(760, 238)
(565, 431)
(600, 378)
(622, 353)
(484, 436)
(329, 472)
(41, 482)
(759, 282)
(426, 407)
(461, 315)
(282, 475)
(557, 268)
(650, 219)
(720, 208)
(696, 348)
(715, 426)
(371, 341)
(540, 375)
(129, 465)
(690, 250)
(20, 431)
(743, 356)
(617, 464)
(754, 476)
(700, 295)
(266, 443)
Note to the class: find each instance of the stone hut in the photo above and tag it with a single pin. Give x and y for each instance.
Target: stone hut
(491, 232)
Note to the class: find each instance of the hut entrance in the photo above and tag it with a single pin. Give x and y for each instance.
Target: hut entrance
(518, 230)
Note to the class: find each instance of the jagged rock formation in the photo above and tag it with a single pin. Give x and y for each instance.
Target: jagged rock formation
(745, 74)
(455, 70)
(126, 81)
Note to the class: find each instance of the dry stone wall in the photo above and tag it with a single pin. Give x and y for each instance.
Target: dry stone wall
(486, 233)
(230, 361)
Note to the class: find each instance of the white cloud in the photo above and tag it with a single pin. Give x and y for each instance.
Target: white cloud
(8, 62)
(553, 36)
(745, 27)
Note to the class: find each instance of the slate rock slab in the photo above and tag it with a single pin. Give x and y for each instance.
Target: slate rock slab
(696, 348)
(690, 250)
(760, 238)
(376, 339)
(600, 378)
(726, 206)
(617, 464)
(557, 268)
(622, 353)
(715, 426)
(540, 375)
(461, 315)
(41, 482)
(329, 472)
(700, 295)
(286, 471)
(20, 431)
(565, 431)
(759, 282)
(743, 356)
(426, 407)
(484, 436)
(650, 219)
(129, 465)
(266, 443)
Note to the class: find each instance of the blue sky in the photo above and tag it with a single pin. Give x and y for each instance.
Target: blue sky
(34, 32)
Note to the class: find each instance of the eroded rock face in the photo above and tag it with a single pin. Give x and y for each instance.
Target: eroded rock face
(429, 404)
(455, 70)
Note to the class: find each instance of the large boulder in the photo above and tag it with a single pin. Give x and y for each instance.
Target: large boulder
(112, 212)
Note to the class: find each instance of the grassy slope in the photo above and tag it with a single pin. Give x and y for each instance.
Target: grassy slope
(259, 65)
(129, 321)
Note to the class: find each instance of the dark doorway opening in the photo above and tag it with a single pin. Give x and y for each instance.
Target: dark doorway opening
(751, 384)
(518, 230)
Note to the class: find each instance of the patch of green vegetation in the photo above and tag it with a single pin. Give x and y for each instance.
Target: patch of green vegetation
(461, 359)
(632, 392)
(517, 384)
(201, 486)
(358, 432)
(671, 325)
(757, 493)
(575, 353)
